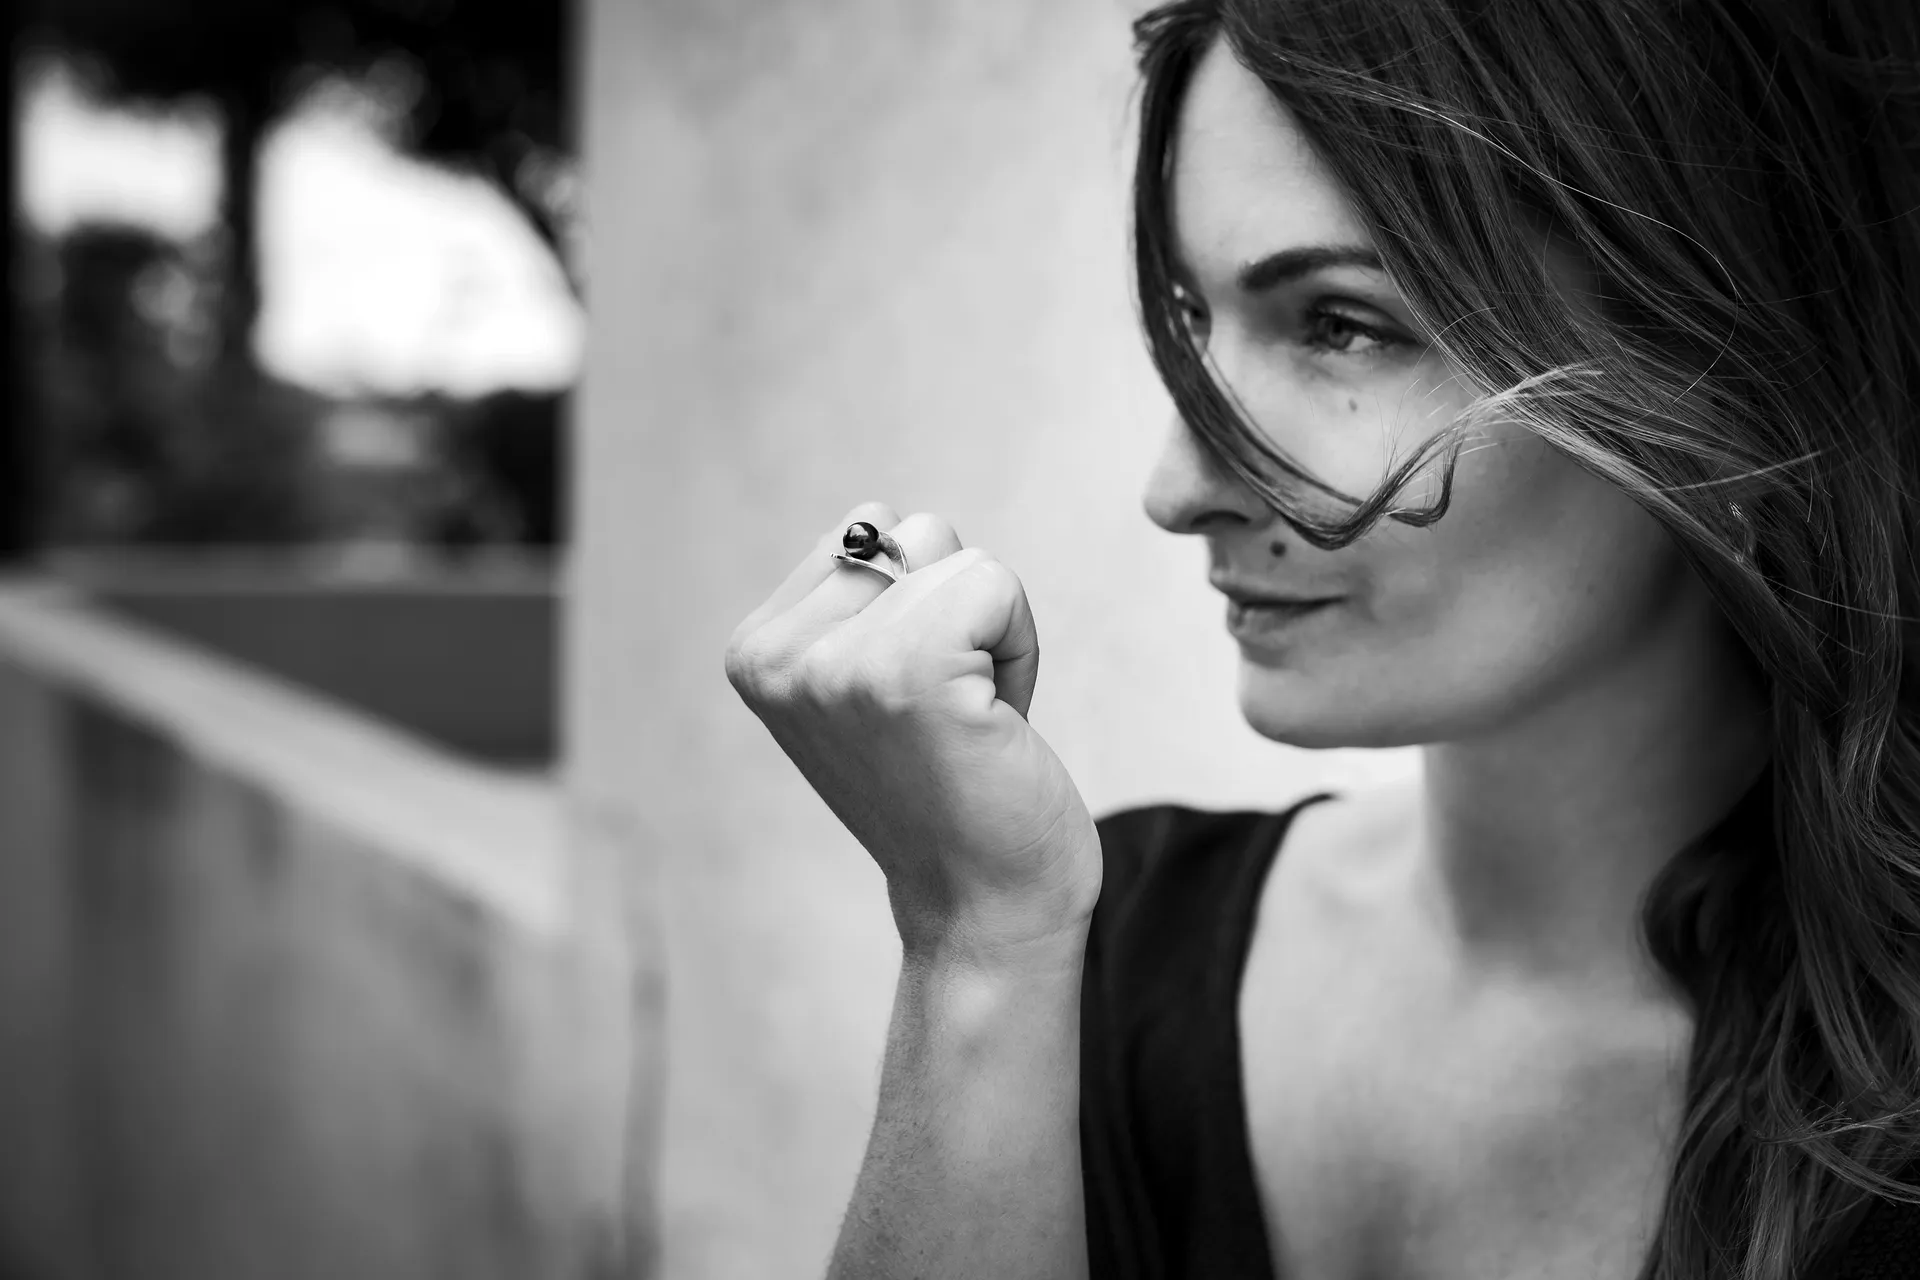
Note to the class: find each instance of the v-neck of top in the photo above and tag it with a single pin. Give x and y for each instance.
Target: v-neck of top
(1166, 1162)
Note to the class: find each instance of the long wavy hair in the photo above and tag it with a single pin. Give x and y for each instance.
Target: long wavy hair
(1742, 176)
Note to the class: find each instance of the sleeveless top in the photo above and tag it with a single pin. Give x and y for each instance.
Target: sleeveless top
(1168, 1174)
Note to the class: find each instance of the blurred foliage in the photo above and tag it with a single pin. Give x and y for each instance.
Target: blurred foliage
(146, 442)
(490, 74)
(153, 423)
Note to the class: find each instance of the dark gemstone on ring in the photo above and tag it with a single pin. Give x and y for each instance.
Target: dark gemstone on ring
(861, 540)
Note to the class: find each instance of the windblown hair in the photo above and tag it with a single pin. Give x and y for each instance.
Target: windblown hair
(1742, 178)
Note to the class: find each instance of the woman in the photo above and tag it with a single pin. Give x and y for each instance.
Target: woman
(1546, 373)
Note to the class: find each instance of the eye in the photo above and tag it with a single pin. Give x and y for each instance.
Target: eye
(1335, 331)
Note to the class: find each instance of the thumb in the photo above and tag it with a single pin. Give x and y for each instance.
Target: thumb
(1001, 623)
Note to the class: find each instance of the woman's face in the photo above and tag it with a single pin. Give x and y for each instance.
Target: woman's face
(1537, 581)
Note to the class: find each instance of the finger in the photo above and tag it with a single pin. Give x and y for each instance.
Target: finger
(998, 619)
(981, 608)
(924, 538)
(817, 566)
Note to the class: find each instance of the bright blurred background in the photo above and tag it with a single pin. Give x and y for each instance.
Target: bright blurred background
(293, 272)
(296, 319)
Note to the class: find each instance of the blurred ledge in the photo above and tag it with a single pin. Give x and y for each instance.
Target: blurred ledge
(494, 836)
(461, 652)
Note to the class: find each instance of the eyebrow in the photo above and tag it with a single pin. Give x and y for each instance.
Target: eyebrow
(1290, 264)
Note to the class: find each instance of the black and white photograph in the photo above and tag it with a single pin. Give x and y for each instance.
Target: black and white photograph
(961, 640)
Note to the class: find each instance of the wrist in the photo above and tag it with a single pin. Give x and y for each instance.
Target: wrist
(977, 1008)
(972, 953)
(1029, 931)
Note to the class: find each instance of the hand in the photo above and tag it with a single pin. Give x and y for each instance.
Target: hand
(904, 705)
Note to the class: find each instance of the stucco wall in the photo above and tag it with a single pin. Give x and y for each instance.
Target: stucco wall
(283, 993)
(851, 250)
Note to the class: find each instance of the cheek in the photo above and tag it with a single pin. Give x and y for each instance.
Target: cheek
(1368, 426)
(1536, 568)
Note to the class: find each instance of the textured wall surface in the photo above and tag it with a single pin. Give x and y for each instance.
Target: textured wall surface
(850, 250)
(282, 994)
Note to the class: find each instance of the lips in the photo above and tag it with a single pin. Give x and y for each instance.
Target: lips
(1245, 595)
(1273, 628)
(1265, 619)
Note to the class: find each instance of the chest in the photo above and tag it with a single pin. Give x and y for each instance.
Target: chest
(1405, 1125)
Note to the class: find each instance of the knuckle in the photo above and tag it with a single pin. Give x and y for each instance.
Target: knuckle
(746, 667)
(925, 526)
(970, 558)
(996, 572)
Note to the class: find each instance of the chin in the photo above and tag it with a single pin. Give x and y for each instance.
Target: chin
(1289, 706)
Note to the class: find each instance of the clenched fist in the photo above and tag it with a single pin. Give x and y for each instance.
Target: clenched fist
(904, 705)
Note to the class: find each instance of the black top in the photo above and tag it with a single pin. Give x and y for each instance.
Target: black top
(1170, 1190)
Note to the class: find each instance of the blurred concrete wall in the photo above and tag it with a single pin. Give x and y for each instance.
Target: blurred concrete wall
(849, 250)
(282, 993)
(463, 656)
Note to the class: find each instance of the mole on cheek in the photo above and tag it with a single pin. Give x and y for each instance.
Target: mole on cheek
(1353, 406)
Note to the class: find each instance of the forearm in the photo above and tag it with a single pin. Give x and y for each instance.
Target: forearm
(973, 1166)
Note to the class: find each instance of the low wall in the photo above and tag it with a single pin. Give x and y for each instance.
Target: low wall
(284, 993)
(460, 653)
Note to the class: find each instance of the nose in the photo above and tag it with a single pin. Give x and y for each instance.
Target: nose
(1191, 491)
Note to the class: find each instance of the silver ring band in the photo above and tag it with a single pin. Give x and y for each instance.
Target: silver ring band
(893, 551)
(868, 565)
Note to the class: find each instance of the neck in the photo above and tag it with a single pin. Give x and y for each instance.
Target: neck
(1540, 837)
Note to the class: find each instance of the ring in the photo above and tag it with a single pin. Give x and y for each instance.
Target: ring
(863, 541)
